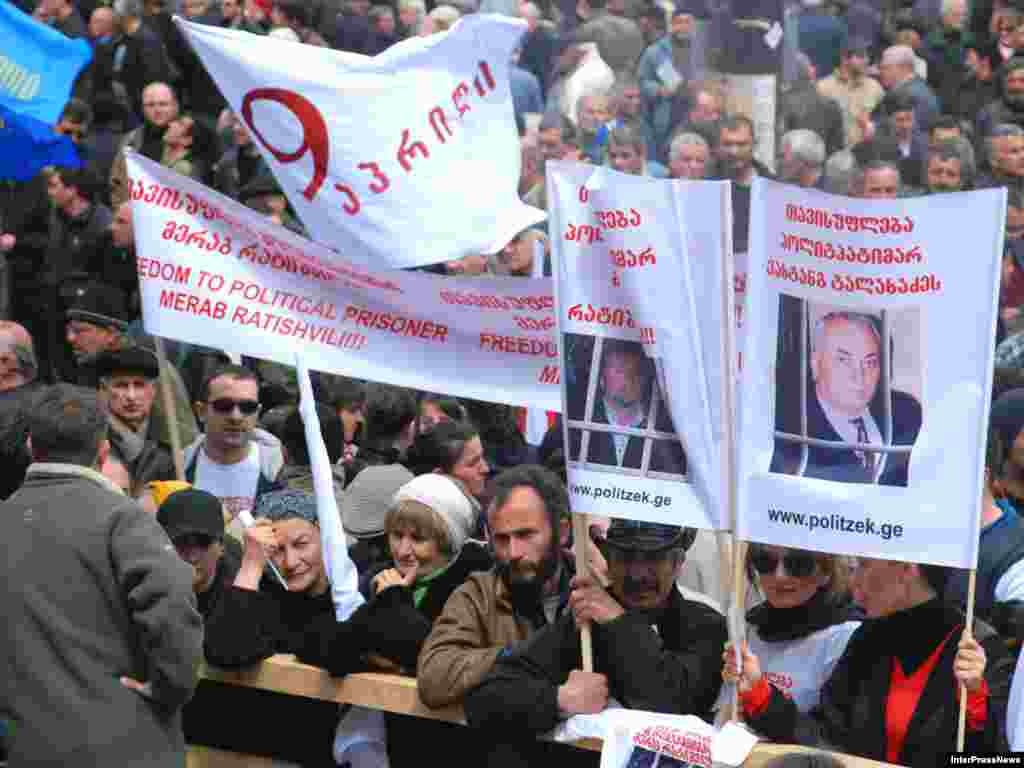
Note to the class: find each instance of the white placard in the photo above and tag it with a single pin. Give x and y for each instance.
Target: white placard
(638, 433)
(848, 300)
(407, 158)
(213, 272)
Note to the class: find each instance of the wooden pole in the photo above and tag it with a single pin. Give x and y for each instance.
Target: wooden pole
(170, 412)
(580, 537)
(961, 726)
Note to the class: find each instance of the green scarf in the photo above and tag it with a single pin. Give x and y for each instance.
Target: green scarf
(420, 586)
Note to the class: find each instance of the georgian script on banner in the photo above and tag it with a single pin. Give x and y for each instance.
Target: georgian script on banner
(861, 376)
(213, 272)
(407, 158)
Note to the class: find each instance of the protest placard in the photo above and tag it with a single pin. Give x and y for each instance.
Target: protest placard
(215, 273)
(636, 416)
(407, 158)
(867, 372)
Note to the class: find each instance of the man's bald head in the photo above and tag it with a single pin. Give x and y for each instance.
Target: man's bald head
(159, 104)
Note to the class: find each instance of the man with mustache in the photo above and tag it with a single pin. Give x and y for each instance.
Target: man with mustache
(654, 649)
(528, 523)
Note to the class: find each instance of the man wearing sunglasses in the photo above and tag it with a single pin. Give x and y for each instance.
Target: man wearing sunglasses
(654, 649)
(194, 523)
(234, 460)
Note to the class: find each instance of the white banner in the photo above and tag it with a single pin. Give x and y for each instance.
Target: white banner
(637, 419)
(215, 273)
(867, 372)
(407, 158)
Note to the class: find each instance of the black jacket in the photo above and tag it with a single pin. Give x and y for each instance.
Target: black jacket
(144, 61)
(851, 716)
(397, 626)
(803, 107)
(672, 667)
(74, 242)
(843, 465)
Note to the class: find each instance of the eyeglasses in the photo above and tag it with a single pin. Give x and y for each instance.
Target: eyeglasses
(799, 565)
(226, 405)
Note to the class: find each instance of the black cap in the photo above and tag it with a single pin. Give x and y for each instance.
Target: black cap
(637, 536)
(96, 303)
(130, 359)
(191, 511)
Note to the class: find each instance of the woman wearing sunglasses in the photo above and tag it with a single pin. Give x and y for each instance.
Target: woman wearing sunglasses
(893, 695)
(799, 631)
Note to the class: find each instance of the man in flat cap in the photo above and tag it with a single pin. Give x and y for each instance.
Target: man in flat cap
(97, 323)
(654, 650)
(127, 384)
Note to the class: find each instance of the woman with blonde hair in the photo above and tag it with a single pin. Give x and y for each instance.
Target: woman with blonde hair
(800, 629)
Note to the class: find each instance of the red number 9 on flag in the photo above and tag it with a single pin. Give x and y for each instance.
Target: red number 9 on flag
(314, 132)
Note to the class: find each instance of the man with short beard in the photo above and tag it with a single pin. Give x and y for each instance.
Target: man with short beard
(948, 169)
(528, 588)
(654, 649)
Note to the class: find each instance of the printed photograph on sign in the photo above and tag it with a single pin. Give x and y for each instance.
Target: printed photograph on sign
(618, 416)
(848, 392)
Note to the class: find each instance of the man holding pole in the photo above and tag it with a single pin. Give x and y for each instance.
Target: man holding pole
(656, 649)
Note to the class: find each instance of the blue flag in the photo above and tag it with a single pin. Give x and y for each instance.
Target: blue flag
(38, 65)
(28, 145)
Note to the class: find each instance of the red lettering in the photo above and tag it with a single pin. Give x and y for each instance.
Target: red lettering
(314, 132)
(407, 150)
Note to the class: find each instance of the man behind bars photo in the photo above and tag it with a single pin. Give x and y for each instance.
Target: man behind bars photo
(845, 404)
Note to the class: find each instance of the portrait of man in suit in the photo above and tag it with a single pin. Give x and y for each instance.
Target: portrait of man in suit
(617, 418)
(845, 426)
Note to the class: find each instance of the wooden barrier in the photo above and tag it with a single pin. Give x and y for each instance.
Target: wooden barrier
(390, 693)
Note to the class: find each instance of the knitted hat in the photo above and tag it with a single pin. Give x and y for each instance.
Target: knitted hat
(265, 5)
(286, 505)
(161, 489)
(441, 494)
(368, 498)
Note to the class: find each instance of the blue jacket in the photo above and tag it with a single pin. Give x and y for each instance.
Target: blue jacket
(658, 110)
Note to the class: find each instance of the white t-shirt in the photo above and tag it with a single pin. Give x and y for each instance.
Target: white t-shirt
(234, 484)
(800, 668)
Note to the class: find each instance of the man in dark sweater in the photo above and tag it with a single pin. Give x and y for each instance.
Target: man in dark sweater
(654, 650)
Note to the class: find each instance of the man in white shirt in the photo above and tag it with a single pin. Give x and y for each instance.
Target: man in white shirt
(234, 460)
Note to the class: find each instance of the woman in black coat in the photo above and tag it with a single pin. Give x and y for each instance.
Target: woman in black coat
(894, 693)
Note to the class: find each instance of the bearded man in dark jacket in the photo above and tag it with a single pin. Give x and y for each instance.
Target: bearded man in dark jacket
(654, 649)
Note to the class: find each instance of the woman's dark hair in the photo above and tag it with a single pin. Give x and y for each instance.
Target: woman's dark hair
(440, 448)
(449, 406)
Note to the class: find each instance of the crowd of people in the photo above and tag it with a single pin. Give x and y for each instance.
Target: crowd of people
(128, 565)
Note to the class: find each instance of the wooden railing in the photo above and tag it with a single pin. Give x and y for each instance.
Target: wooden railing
(390, 693)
